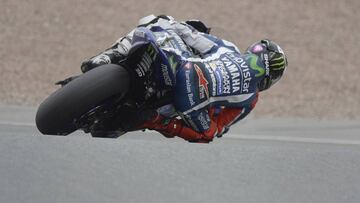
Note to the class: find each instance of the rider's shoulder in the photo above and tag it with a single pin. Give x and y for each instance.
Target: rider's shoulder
(231, 45)
(222, 43)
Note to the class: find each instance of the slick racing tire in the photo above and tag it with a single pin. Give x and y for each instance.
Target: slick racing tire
(56, 115)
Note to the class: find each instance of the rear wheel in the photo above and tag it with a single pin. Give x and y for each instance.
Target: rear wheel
(56, 115)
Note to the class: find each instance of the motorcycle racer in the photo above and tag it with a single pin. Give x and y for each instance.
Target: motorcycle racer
(214, 84)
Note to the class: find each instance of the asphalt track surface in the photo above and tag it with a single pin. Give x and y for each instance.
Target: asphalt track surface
(266, 160)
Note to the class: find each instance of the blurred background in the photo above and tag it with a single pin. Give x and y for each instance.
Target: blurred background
(43, 41)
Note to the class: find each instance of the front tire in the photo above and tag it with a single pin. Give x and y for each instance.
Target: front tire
(56, 115)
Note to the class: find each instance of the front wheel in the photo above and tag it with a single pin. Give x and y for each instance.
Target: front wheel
(56, 115)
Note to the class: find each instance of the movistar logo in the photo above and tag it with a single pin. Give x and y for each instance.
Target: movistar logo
(253, 65)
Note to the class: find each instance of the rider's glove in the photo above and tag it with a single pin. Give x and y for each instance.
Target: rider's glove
(113, 55)
(193, 38)
(107, 57)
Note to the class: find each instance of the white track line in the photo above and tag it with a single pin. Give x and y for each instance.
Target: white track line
(294, 139)
(244, 137)
(17, 124)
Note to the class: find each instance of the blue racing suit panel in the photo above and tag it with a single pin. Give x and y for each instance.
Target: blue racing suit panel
(220, 77)
(192, 88)
(224, 78)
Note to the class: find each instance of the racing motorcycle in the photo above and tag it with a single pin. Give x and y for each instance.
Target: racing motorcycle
(112, 99)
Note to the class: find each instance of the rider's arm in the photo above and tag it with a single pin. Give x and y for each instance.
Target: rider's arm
(202, 42)
(193, 38)
(119, 50)
(112, 55)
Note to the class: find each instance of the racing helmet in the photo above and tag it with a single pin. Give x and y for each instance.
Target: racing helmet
(275, 61)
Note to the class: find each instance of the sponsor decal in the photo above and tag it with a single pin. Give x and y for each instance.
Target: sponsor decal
(278, 63)
(212, 76)
(146, 60)
(152, 51)
(188, 88)
(234, 73)
(219, 80)
(257, 48)
(203, 83)
(203, 121)
(246, 75)
(166, 76)
(224, 77)
(166, 70)
(172, 63)
(216, 73)
(144, 65)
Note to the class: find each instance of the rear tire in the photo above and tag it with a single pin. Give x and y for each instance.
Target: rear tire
(56, 115)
